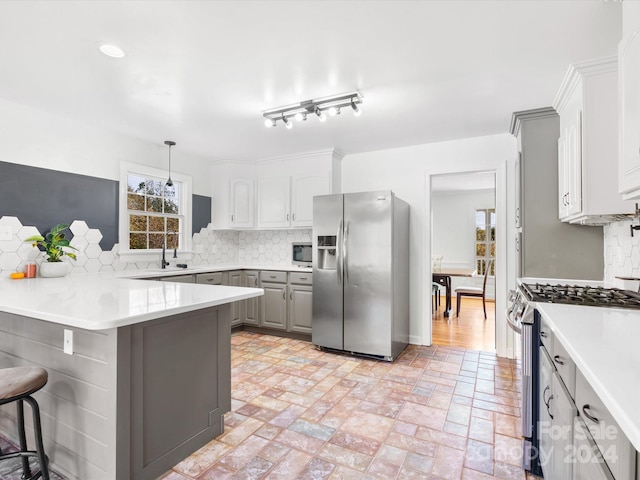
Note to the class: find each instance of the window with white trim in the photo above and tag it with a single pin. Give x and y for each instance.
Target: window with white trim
(485, 239)
(151, 213)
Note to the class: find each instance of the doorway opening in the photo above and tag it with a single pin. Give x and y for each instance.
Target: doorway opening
(463, 248)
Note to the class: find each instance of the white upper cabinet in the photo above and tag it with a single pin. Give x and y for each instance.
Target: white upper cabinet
(273, 204)
(272, 193)
(629, 158)
(284, 202)
(303, 189)
(588, 144)
(241, 203)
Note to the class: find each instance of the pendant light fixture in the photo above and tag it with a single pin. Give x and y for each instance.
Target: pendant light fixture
(170, 144)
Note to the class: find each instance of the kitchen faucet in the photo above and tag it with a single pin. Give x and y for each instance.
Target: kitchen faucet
(164, 264)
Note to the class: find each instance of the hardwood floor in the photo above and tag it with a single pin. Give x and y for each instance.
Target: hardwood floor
(469, 330)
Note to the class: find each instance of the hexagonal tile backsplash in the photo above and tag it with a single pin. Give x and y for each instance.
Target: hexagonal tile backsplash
(211, 247)
(621, 254)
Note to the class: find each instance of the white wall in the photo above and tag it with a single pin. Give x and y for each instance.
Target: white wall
(406, 171)
(37, 138)
(454, 224)
(453, 220)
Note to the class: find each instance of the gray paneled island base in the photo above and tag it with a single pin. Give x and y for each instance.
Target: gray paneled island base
(134, 399)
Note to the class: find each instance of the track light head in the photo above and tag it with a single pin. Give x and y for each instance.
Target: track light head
(333, 111)
(301, 117)
(356, 110)
(269, 122)
(320, 114)
(287, 123)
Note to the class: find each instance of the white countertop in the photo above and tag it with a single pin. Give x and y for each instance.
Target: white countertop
(605, 345)
(172, 270)
(103, 301)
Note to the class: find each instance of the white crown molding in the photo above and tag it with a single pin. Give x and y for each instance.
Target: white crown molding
(518, 117)
(334, 153)
(580, 70)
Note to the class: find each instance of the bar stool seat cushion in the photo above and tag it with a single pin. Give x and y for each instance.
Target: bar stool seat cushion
(17, 381)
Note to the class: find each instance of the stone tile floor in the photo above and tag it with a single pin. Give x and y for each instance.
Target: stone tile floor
(299, 413)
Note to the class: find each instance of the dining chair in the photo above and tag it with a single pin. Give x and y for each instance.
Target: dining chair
(474, 291)
(435, 291)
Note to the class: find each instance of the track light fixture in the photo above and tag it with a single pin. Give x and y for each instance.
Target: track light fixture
(331, 105)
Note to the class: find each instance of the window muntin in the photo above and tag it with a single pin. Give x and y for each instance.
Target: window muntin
(485, 242)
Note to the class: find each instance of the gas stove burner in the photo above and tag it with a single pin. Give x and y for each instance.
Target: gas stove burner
(581, 295)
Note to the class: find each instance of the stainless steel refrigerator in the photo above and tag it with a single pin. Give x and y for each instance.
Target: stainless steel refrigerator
(361, 273)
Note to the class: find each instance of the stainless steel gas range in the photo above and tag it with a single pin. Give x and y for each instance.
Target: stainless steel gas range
(523, 317)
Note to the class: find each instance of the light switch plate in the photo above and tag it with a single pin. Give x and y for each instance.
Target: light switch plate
(68, 342)
(6, 232)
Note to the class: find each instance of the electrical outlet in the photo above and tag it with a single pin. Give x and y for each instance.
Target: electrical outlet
(6, 232)
(68, 342)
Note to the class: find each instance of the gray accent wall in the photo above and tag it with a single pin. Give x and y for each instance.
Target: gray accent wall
(44, 198)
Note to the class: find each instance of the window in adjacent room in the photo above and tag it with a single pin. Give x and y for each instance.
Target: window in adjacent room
(151, 212)
(485, 239)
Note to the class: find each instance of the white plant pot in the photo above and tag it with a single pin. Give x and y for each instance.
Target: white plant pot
(54, 269)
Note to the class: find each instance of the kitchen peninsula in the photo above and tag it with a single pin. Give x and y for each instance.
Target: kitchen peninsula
(148, 377)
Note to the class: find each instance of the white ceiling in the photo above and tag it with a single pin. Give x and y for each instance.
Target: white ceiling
(201, 72)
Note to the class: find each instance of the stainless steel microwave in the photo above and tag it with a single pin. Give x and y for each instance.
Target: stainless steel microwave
(301, 253)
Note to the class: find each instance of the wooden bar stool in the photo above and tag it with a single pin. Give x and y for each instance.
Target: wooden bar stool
(16, 385)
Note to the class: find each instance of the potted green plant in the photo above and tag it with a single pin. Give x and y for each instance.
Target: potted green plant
(55, 247)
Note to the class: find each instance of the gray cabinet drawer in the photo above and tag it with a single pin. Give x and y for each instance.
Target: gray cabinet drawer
(546, 336)
(215, 278)
(300, 278)
(615, 447)
(178, 278)
(565, 366)
(274, 277)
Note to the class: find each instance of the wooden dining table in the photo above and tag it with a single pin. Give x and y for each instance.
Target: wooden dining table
(443, 277)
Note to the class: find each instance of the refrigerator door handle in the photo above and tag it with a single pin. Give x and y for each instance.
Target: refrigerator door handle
(344, 253)
(339, 253)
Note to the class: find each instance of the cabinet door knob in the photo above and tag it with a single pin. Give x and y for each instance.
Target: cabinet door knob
(558, 360)
(284, 296)
(543, 334)
(291, 296)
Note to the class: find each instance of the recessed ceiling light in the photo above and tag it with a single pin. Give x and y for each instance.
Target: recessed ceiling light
(112, 51)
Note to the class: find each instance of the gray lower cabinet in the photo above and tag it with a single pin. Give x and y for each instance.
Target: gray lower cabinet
(252, 310)
(589, 463)
(612, 445)
(300, 303)
(274, 305)
(237, 308)
(564, 411)
(286, 304)
(544, 421)
(557, 409)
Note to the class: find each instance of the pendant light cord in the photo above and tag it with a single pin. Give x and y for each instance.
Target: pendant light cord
(170, 144)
